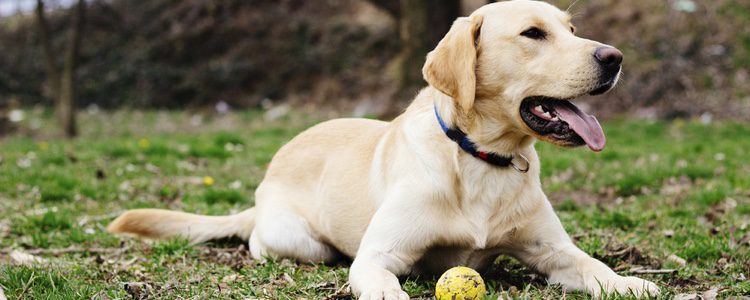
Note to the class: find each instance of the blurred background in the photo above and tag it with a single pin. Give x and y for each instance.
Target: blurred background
(683, 58)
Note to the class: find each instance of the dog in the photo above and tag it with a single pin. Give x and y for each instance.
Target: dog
(454, 180)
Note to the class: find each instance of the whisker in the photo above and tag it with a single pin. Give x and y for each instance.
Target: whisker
(571, 6)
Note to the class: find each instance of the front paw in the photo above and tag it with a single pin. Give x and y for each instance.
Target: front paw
(627, 286)
(384, 294)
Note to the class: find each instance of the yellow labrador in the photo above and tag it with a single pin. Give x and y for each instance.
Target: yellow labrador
(452, 181)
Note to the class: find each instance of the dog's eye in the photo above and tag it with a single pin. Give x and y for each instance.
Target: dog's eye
(534, 33)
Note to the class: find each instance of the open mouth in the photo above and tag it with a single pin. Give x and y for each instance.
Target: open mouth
(561, 122)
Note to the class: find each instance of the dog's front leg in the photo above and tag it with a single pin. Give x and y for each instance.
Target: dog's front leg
(394, 240)
(544, 245)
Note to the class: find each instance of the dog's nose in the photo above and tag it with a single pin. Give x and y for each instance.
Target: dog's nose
(608, 57)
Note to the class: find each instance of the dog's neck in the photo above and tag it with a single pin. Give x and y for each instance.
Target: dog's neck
(491, 132)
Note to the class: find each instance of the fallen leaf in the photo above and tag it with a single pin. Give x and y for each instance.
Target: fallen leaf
(102, 295)
(23, 258)
(722, 263)
(677, 260)
(232, 278)
(224, 287)
(152, 168)
(513, 291)
(669, 233)
(23, 163)
(288, 278)
(692, 296)
(125, 186)
(138, 290)
(4, 228)
(681, 163)
(676, 186)
(710, 294)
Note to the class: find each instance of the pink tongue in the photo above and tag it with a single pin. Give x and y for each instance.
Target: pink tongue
(586, 126)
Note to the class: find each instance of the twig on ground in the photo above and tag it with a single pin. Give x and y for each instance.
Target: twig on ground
(56, 252)
(342, 292)
(641, 270)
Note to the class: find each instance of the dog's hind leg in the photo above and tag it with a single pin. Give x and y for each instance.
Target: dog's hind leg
(280, 233)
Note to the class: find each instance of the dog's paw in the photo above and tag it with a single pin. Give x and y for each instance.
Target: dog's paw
(384, 294)
(629, 286)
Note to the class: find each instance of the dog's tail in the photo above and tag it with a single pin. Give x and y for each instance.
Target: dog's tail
(161, 224)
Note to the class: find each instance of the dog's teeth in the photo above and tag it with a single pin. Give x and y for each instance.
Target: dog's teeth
(539, 109)
(555, 119)
(547, 115)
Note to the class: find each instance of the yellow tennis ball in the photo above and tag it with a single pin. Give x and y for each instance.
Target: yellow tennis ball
(460, 283)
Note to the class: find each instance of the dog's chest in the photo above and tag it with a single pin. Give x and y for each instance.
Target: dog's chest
(491, 204)
(483, 222)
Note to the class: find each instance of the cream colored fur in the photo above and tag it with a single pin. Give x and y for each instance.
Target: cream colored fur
(400, 197)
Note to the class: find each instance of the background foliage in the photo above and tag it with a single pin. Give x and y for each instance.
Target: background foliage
(683, 57)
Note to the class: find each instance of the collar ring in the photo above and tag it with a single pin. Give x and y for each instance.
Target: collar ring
(520, 170)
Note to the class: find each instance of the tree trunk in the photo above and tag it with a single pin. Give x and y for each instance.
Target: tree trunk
(415, 42)
(66, 100)
(423, 23)
(62, 85)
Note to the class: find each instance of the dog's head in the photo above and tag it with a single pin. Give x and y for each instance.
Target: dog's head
(521, 61)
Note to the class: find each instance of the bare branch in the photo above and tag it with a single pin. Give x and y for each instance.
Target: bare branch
(641, 270)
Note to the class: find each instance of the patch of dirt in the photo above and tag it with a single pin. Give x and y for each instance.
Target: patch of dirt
(138, 290)
(150, 290)
(623, 256)
(236, 258)
(676, 186)
(510, 274)
(688, 283)
(716, 212)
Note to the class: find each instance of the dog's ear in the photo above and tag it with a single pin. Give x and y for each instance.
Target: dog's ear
(451, 67)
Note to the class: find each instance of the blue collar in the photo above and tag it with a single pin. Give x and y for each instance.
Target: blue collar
(467, 145)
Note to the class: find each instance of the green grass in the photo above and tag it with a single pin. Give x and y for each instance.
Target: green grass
(686, 178)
